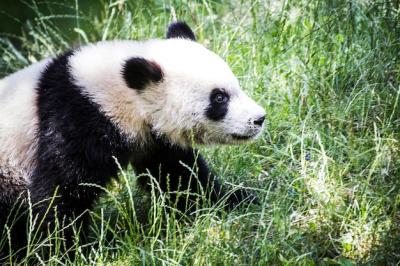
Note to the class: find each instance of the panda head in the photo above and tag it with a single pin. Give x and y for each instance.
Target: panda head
(189, 94)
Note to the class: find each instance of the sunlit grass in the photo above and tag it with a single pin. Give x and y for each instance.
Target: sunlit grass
(327, 166)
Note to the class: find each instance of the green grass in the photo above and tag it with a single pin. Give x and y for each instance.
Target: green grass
(327, 168)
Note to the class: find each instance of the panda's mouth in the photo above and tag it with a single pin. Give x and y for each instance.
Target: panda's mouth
(243, 137)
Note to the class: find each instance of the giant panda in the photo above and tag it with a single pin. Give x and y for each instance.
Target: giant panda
(74, 118)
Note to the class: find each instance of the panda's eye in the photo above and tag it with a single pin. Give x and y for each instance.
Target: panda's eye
(220, 97)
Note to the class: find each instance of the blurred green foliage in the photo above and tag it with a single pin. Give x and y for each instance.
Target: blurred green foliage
(15, 15)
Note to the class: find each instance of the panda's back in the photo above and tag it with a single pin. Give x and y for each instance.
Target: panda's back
(18, 121)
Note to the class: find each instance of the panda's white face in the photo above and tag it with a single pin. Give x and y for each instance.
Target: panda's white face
(173, 87)
(199, 99)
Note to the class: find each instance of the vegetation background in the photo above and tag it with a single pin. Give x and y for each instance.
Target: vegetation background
(327, 168)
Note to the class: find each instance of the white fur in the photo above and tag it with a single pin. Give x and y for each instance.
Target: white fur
(18, 118)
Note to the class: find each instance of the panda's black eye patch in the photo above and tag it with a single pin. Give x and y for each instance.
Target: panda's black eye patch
(218, 106)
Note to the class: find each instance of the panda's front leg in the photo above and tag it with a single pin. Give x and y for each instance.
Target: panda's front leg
(180, 169)
(60, 209)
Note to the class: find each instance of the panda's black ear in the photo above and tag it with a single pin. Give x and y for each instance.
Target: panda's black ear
(139, 72)
(180, 29)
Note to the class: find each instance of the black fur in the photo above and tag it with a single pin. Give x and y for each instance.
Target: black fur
(217, 111)
(139, 72)
(12, 213)
(167, 160)
(180, 29)
(173, 167)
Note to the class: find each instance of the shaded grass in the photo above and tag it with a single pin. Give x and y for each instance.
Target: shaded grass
(327, 167)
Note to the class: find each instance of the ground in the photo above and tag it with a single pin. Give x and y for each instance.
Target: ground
(326, 169)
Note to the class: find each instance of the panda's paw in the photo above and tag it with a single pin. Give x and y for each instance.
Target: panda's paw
(242, 197)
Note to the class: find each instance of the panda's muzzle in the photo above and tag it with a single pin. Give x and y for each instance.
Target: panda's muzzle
(243, 137)
(257, 125)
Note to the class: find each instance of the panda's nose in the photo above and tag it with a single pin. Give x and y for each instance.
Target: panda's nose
(259, 121)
